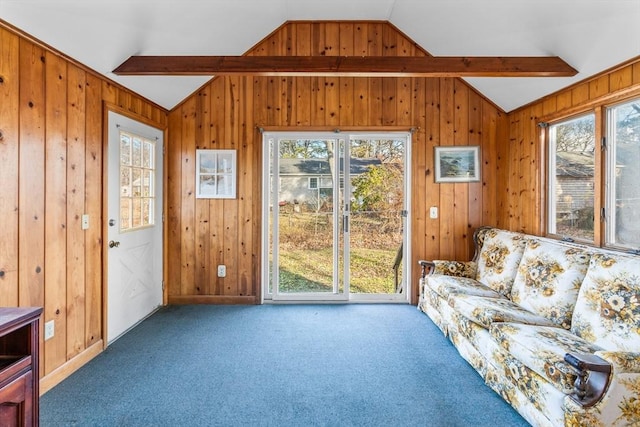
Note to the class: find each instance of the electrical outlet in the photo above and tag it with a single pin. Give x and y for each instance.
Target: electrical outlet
(433, 212)
(49, 329)
(222, 271)
(85, 221)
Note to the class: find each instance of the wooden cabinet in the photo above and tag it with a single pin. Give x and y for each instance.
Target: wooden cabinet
(19, 378)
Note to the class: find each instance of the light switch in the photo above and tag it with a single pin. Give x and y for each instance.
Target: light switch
(85, 221)
(433, 212)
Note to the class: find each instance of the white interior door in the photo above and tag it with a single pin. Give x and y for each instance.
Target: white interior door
(134, 237)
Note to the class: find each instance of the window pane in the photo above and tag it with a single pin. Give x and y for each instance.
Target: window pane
(224, 163)
(572, 166)
(125, 181)
(147, 154)
(147, 211)
(136, 183)
(208, 185)
(137, 152)
(125, 213)
(624, 175)
(137, 213)
(147, 183)
(125, 149)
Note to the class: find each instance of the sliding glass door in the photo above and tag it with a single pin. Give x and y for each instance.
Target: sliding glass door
(335, 217)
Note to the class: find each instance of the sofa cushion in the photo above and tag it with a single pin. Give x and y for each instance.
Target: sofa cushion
(485, 311)
(446, 285)
(498, 260)
(607, 311)
(542, 349)
(548, 279)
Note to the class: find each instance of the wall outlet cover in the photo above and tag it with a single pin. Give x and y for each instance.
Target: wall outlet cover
(222, 271)
(85, 222)
(49, 329)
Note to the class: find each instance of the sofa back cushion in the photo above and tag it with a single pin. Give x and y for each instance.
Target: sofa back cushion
(607, 312)
(499, 258)
(548, 279)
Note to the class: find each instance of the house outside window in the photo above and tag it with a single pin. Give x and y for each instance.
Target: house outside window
(313, 183)
(593, 176)
(571, 178)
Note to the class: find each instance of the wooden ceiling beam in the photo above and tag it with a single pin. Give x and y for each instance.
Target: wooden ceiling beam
(348, 66)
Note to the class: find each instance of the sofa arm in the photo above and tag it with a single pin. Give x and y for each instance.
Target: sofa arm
(593, 377)
(449, 268)
(618, 405)
(622, 362)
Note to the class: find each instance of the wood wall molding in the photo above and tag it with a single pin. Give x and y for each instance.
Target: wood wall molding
(56, 376)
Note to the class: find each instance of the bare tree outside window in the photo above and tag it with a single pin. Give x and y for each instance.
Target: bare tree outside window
(572, 167)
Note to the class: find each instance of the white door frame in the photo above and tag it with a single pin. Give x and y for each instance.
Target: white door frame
(111, 112)
(346, 296)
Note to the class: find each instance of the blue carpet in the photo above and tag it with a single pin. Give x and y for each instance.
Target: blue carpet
(279, 365)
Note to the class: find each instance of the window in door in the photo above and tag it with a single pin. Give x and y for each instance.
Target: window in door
(137, 181)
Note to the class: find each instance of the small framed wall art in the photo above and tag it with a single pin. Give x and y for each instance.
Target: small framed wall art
(457, 164)
(215, 174)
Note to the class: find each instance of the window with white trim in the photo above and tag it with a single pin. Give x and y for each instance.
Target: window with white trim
(592, 197)
(313, 183)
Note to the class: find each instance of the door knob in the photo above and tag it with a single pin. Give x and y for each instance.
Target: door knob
(113, 244)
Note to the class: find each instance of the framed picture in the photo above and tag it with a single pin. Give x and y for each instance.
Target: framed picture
(457, 164)
(215, 174)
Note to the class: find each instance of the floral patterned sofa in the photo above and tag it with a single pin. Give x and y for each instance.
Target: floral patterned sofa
(551, 326)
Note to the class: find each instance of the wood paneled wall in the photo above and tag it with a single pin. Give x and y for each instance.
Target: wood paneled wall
(51, 157)
(522, 160)
(227, 112)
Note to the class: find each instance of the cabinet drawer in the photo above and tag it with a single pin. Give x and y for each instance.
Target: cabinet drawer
(16, 402)
(12, 366)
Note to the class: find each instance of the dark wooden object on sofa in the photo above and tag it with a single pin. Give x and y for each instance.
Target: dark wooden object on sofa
(593, 377)
(19, 377)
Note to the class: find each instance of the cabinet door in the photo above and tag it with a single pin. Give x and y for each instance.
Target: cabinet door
(16, 402)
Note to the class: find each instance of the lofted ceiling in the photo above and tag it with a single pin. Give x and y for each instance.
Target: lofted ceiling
(590, 35)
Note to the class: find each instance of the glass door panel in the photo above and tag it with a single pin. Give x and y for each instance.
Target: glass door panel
(336, 217)
(377, 210)
(305, 209)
